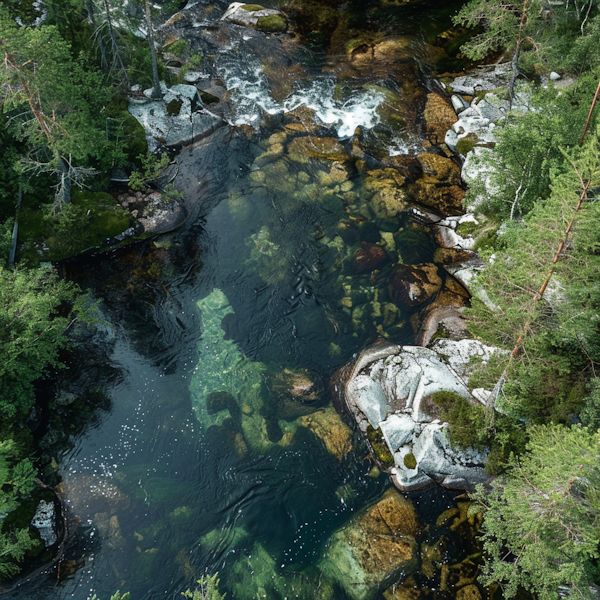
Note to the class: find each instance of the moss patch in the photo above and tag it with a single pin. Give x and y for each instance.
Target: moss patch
(466, 421)
(410, 462)
(86, 223)
(271, 24)
(382, 452)
(252, 7)
(467, 143)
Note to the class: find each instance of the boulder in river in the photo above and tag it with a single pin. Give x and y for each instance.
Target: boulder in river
(177, 120)
(389, 391)
(439, 116)
(301, 149)
(328, 426)
(411, 285)
(375, 549)
(369, 257)
(256, 16)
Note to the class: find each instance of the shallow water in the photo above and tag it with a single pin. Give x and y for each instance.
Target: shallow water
(249, 287)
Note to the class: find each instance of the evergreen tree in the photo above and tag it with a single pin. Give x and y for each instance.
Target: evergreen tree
(541, 529)
(54, 104)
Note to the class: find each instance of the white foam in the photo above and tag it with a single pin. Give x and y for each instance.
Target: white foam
(250, 93)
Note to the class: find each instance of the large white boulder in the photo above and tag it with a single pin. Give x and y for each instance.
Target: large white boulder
(390, 389)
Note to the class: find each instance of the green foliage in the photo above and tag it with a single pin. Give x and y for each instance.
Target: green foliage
(561, 332)
(529, 149)
(542, 32)
(180, 48)
(16, 482)
(194, 63)
(590, 413)
(541, 528)
(468, 429)
(208, 589)
(152, 167)
(32, 333)
(87, 222)
(466, 421)
(116, 596)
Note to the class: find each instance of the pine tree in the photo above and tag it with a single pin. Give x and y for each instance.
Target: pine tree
(541, 527)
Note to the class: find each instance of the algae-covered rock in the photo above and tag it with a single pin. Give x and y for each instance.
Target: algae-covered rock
(272, 23)
(221, 540)
(302, 149)
(223, 369)
(256, 16)
(439, 116)
(257, 575)
(328, 426)
(110, 529)
(376, 548)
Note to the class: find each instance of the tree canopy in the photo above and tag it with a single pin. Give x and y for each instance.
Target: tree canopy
(542, 520)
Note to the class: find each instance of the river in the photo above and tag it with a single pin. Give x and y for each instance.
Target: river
(201, 463)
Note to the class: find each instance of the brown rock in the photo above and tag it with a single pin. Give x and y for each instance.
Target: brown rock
(411, 285)
(439, 117)
(368, 258)
(439, 169)
(375, 547)
(301, 149)
(449, 256)
(469, 592)
(328, 426)
(441, 199)
(408, 590)
(389, 203)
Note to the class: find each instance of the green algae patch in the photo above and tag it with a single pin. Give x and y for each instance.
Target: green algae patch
(252, 7)
(227, 386)
(86, 223)
(271, 24)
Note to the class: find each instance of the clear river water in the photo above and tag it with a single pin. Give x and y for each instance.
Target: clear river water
(198, 465)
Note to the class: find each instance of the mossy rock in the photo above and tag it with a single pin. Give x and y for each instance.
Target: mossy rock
(252, 7)
(466, 144)
(174, 107)
(271, 24)
(86, 223)
(380, 448)
(208, 98)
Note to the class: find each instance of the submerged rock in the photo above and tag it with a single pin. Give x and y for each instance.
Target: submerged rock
(411, 285)
(328, 426)
(301, 149)
(376, 548)
(225, 384)
(369, 257)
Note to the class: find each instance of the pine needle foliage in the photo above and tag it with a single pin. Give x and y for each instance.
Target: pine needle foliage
(541, 530)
